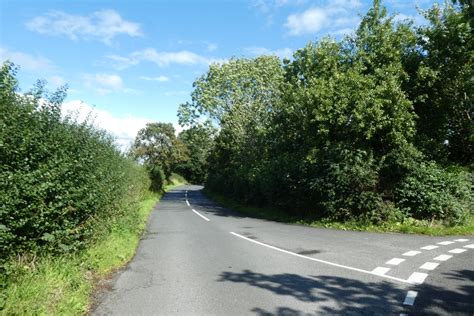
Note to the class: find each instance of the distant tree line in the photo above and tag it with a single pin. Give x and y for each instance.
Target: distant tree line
(374, 127)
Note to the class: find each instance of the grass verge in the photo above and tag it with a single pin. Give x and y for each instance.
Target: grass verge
(64, 285)
(411, 227)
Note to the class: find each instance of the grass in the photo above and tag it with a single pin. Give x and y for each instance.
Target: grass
(411, 227)
(64, 285)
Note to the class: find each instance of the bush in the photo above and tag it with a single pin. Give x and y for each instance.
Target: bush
(430, 192)
(345, 183)
(58, 178)
(157, 178)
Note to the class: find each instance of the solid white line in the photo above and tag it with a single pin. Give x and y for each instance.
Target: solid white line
(403, 314)
(319, 260)
(443, 257)
(380, 270)
(187, 202)
(457, 250)
(395, 261)
(444, 243)
(204, 217)
(462, 240)
(417, 277)
(429, 266)
(411, 253)
(471, 246)
(429, 247)
(410, 298)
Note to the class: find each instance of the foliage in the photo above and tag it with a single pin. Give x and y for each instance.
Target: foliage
(441, 84)
(155, 146)
(363, 129)
(198, 141)
(58, 178)
(429, 192)
(64, 284)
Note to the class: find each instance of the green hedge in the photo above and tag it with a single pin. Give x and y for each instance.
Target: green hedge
(59, 179)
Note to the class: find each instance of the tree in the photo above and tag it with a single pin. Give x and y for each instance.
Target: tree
(156, 146)
(441, 84)
(198, 141)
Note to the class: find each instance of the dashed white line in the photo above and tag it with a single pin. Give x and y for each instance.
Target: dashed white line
(457, 250)
(461, 240)
(319, 260)
(429, 247)
(395, 261)
(380, 270)
(471, 246)
(204, 217)
(445, 243)
(443, 257)
(411, 253)
(417, 277)
(410, 298)
(187, 202)
(429, 266)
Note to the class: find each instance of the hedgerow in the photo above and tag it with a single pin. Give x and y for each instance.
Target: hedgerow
(61, 181)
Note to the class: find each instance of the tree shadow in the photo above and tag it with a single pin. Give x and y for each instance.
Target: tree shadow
(343, 296)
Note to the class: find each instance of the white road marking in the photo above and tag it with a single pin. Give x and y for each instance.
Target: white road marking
(320, 261)
(380, 270)
(457, 250)
(471, 246)
(187, 202)
(429, 247)
(443, 257)
(462, 240)
(204, 217)
(411, 253)
(403, 314)
(444, 243)
(395, 261)
(429, 266)
(417, 277)
(410, 298)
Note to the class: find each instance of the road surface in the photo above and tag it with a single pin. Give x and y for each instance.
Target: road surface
(197, 258)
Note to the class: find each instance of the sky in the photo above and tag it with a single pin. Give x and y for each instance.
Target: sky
(134, 62)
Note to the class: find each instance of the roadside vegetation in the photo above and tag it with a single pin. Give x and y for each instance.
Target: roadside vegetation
(373, 131)
(72, 206)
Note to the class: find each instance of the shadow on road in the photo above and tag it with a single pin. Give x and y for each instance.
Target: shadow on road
(343, 296)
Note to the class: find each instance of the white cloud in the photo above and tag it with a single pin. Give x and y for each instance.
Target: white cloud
(56, 81)
(123, 128)
(101, 25)
(161, 59)
(337, 17)
(282, 52)
(211, 47)
(26, 61)
(158, 78)
(105, 83)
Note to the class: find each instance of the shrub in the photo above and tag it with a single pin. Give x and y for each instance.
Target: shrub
(58, 178)
(430, 192)
(157, 178)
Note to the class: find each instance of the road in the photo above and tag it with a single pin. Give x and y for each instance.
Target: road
(198, 258)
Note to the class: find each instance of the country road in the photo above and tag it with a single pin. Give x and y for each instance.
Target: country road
(197, 258)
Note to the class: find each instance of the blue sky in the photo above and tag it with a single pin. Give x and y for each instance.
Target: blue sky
(133, 62)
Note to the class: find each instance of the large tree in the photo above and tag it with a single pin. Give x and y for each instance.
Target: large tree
(156, 146)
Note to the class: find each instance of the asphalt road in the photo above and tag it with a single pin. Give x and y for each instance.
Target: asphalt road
(200, 259)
